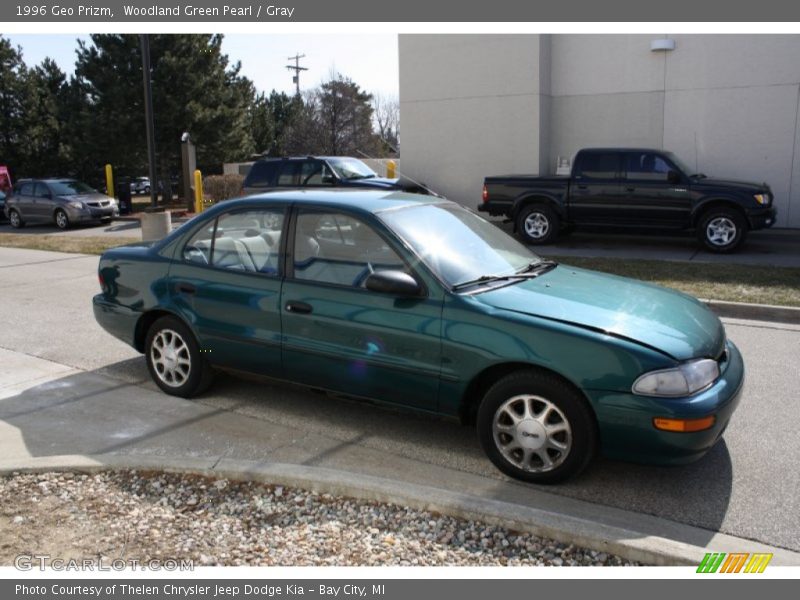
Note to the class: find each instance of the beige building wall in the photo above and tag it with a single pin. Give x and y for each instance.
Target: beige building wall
(470, 105)
(727, 104)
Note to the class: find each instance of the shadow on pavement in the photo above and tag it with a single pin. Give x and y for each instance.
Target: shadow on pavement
(117, 410)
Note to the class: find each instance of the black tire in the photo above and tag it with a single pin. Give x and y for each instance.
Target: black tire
(15, 219)
(722, 230)
(61, 219)
(538, 390)
(538, 224)
(191, 381)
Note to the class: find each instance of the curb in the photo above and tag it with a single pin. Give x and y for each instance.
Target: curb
(563, 528)
(754, 312)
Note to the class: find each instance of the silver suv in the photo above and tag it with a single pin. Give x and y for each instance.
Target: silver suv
(59, 201)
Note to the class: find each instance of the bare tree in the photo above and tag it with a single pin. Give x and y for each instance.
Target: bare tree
(387, 119)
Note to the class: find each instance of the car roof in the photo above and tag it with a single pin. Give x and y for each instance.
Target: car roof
(367, 201)
(656, 150)
(318, 157)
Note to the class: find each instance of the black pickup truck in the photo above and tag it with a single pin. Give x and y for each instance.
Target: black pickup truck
(637, 188)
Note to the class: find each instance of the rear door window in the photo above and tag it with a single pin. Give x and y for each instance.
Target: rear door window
(598, 165)
(262, 174)
(290, 174)
(41, 191)
(25, 189)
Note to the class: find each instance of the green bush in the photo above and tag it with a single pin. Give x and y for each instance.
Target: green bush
(217, 188)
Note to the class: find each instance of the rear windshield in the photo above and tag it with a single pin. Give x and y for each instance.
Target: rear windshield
(262, 174)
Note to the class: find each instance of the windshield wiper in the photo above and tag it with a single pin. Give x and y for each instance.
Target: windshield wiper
(532, 271)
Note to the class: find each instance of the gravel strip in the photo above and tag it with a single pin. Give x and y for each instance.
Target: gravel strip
(152, 515)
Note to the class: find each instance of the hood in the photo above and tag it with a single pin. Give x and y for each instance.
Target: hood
(747, 186)
(377, 182)
(668, 321)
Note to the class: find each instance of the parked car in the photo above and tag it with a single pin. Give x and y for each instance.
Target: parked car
(140, 185)
(631, 188)
(418, 302)
(60, 201)
(2, 205)
(321, 172)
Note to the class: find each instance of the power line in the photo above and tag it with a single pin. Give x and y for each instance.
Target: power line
(296, 68)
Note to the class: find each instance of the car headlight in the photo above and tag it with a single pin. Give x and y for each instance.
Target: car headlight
(684, 380)
(76, 204)
(762, 198)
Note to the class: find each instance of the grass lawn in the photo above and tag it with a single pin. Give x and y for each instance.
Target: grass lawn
(63, 243)
(734, 283)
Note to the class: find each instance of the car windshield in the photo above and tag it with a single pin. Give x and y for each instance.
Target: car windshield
(351, 168)
(456, 244)
(70, 188)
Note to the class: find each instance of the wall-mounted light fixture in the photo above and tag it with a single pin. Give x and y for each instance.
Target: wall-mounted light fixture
(662, 45)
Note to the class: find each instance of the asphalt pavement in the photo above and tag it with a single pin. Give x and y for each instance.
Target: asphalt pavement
(68, 388)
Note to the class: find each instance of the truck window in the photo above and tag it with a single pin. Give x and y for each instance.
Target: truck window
(262, 174)
(646, 166)
(290, 174)
(597, 165)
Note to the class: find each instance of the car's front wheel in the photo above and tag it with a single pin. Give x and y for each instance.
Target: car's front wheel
(174, 359)
(722, 229)
(15, 219)
(535, 427)
(61, 219)
(538, 224)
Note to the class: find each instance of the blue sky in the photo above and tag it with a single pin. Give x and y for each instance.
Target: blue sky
(369, 60)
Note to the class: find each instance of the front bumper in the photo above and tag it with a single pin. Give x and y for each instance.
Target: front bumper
(626, 420)
(92, 213)
(762, 218)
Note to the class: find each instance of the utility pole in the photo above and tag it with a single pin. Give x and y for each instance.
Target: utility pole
(296, 68)
(148, 115)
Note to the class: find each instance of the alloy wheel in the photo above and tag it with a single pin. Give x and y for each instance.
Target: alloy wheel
(537, 225)
(170, 356)
(720, 231)
(532, 433)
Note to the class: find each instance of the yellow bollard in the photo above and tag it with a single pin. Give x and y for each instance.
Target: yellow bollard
(391, 168)
(110, 181)
(198, 191)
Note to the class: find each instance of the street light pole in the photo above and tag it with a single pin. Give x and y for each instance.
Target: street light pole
(148, 115)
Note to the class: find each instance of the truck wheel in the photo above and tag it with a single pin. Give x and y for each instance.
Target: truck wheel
(535, 427)
(538, 224)
(722, 230)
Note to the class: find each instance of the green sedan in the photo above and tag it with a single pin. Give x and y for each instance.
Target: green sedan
(418, 302)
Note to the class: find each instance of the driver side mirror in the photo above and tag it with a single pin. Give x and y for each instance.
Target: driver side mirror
(673, 176)
(396, 283)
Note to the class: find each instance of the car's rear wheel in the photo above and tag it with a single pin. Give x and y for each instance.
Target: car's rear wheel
(174, 359)
(15, 219)
(61, 219)
(538, 224)
(535, 427)
(722, 229)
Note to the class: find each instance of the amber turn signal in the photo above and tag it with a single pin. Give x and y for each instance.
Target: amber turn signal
(684, 425)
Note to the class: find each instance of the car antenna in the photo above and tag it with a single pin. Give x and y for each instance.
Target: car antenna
(399, 172)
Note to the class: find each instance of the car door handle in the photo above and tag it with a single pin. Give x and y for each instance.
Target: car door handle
(301, 308)
(186, 288)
